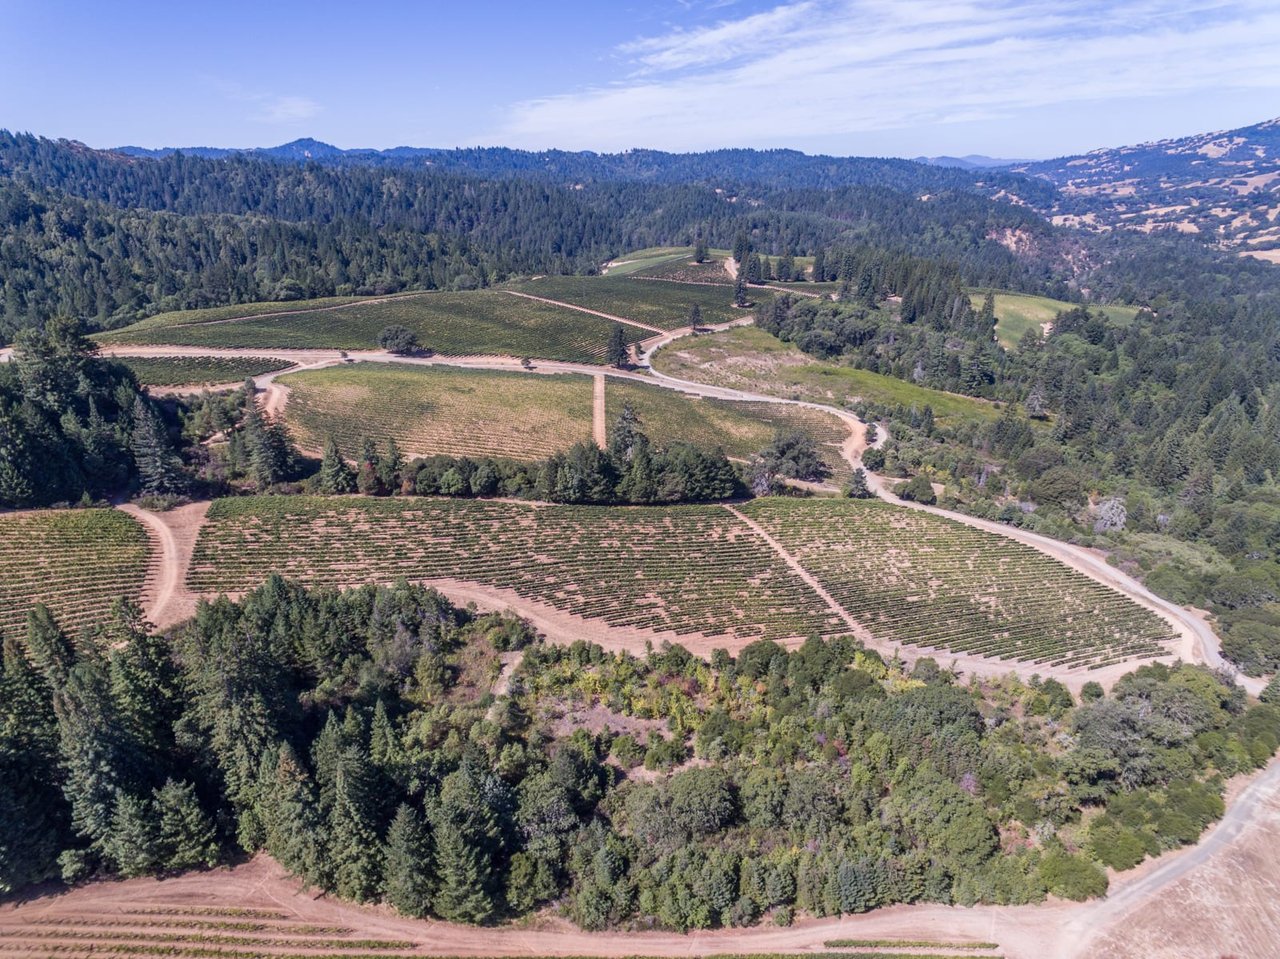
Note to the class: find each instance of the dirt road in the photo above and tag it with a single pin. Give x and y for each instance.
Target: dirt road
(1198, 644)
(599, 418)
(583, 309)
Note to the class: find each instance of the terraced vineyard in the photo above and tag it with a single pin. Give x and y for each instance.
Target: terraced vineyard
(184, 930)
(440, 409)
(685, 270)
(914, 578)
(454, 324)
(664, 305)
(740, 429)
(205, 932)
(199, 370)
(684, 569)
(76, 562)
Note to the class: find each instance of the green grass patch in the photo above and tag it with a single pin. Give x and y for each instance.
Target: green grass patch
(1018, 312)
(740, 429)
(748, 358)
(76, 562)
(219, 313)
(663, 305)
(485, 322)
(198, 370)
(440, 409)
(642, 260)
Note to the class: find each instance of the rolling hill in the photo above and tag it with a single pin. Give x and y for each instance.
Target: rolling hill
(1222, 186)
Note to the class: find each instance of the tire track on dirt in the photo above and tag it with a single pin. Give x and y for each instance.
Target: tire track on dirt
(583, 309)
(808, 578)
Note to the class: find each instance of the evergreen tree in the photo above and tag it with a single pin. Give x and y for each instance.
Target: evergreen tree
(700, 249)
(159, 468)
(615, 353)
(389, 467)
(354, 849)
(987, 316)
(819, 265)
(267, 447)
(133, 843)
(186, 837)
(295, 834)
(625, 434)
(695, 317)
(741, 247)
(32, 810)
(740, 291)
(464, 875)
(408, 871)
(335, 476)
(857, 486)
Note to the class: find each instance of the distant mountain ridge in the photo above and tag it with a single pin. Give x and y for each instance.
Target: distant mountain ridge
(1223, 187)
(971, 161)
(786, 169)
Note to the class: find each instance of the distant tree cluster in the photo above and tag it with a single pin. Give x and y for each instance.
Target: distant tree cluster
(631, 470)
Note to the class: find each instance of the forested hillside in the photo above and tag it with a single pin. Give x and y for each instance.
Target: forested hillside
(356, 738)
(763, 168)
(109, 238)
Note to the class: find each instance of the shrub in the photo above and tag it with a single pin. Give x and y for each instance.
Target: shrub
(399, 340)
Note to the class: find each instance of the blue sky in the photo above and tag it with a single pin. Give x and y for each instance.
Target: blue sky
(1025, 78)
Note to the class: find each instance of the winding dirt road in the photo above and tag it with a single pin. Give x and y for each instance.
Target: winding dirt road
(1051, 931)
(1198, 642)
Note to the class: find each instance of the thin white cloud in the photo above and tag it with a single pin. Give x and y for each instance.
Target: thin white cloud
(285, 109)
(726, 41)
(843, 67)
(265, 107)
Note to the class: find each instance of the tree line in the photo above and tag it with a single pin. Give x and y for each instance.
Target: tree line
(351, 736)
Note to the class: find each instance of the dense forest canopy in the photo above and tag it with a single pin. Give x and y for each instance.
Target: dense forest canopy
(109, 238)
(355, 738)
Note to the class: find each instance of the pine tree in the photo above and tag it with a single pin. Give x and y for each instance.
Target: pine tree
(159, 468)
(294, 831)
(133, 842)
(857, 486)
(186, 837)
(389, 467)
(740, 291)
(625, 433)
(615, 353)
(695, 318)
(32, 811)
(819, 265)
(51, 651)
(700, 249)
(466, 835)
(408, 883)
(987, 317)
(268, 449)
(464, 876)
(354, 849)
(335, 476)
(741, 247)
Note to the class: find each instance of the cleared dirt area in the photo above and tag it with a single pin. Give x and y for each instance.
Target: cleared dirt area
(167, 600)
